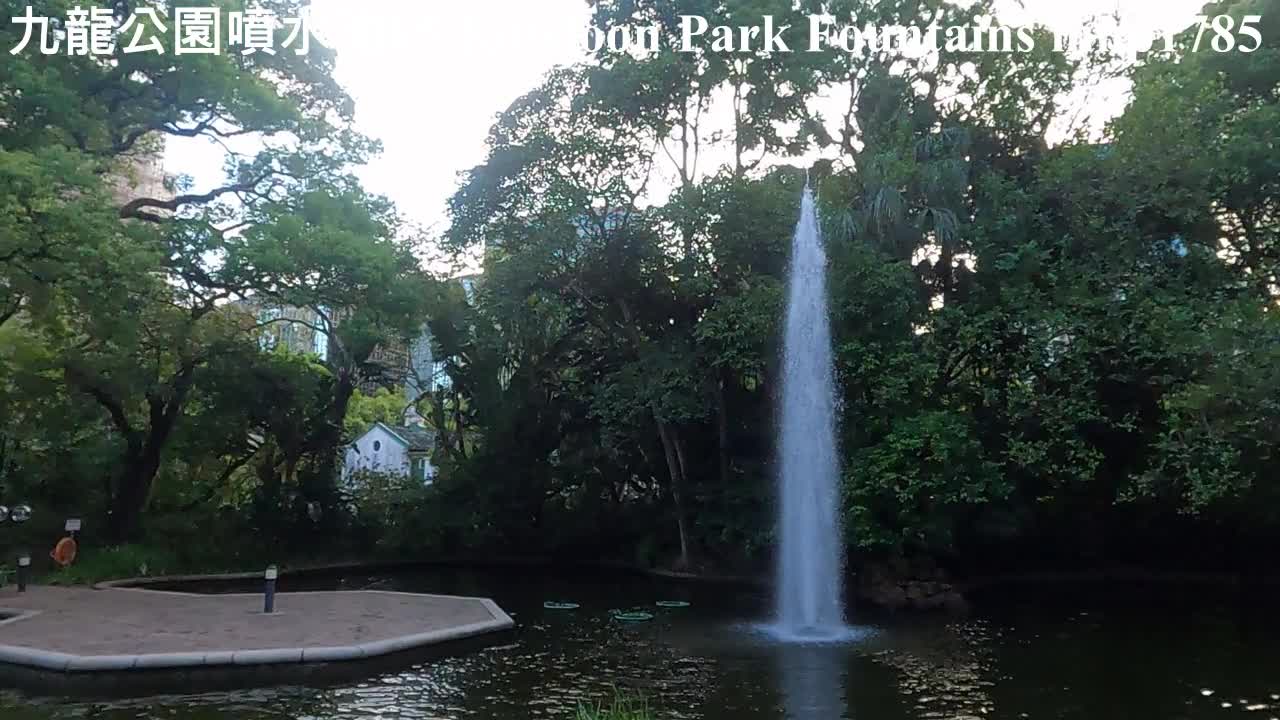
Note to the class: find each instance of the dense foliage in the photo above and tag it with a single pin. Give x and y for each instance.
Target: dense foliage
(136, 388)
(1049, 352)
(1056, 343)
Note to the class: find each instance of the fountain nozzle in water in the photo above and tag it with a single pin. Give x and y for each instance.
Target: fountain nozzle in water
(811, 556)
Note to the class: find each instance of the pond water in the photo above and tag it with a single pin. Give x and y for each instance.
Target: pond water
(1156, 652)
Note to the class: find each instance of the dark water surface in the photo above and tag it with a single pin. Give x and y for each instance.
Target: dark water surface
(1159, 652)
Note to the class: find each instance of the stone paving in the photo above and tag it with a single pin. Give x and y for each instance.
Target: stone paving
(83, 629)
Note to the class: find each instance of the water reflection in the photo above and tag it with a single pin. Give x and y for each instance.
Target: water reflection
(813, 681)
(945, 672)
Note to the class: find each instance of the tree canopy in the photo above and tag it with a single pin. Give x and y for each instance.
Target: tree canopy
(136, 301)
(1066, 344)
(1056, 342)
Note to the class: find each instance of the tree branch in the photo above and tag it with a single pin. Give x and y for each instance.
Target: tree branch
(79, 379)
(133, 208)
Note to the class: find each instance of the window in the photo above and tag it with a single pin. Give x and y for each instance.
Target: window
(377, 445)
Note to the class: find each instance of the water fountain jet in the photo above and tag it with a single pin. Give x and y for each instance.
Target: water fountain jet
(810, 605)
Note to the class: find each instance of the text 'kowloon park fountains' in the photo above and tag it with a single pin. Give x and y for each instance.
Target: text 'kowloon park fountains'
(810, 563)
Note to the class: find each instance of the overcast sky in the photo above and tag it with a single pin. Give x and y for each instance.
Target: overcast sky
(429, 76)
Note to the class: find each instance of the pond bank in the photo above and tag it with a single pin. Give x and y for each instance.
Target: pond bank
(909, 588)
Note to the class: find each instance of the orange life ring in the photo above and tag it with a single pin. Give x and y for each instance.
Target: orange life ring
(64, 553)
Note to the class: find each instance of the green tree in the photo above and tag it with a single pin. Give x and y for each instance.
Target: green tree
(131, 291)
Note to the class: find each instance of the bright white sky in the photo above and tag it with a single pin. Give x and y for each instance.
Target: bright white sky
(429, 76)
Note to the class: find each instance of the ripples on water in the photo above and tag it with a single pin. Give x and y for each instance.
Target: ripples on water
(947, 675)
(708, 662)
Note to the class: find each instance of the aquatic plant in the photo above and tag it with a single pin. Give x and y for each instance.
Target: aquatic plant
(622, 707)
(634, 615)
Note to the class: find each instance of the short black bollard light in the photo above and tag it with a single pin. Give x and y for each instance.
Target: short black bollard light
(269, 599)
(24, 566)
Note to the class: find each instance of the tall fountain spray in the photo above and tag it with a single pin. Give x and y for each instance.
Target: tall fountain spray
(810, 560)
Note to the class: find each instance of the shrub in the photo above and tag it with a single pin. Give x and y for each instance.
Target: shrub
(392, 513)
(113, 563)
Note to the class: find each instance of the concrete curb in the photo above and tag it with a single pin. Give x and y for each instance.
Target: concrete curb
(95, 663)
(267, 657)
(157, 661)
(36, 658)
(340, 653)
(378, 566)
(141, 583)
(13, 616)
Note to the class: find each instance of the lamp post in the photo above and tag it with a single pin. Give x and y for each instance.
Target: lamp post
(19, 514)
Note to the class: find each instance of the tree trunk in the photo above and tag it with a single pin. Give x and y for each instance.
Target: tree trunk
(722, 428)
(132, 488)
(670, 445)
(144, 451)
(944, 272)
(7, 461)
(330, 436)
(457, 424)
(670, 448)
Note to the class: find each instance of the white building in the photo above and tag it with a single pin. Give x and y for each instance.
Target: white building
(394, 449)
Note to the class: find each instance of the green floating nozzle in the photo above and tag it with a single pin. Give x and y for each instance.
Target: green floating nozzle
(631, 615)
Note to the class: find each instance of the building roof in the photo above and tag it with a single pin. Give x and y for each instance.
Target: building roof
(417, 439)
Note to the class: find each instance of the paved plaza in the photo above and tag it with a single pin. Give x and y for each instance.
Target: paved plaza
(84, 629)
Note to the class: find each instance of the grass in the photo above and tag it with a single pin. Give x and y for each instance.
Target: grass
(622, 708)
(96, 564)
(113, 563)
